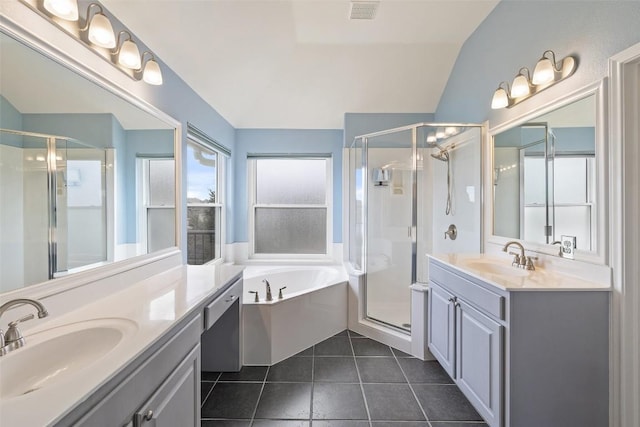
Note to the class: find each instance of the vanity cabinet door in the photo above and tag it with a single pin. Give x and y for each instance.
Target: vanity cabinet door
(479, 345)
(441, 327)
(177, 401)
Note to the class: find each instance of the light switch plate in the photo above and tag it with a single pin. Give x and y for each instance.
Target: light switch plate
(568, 246)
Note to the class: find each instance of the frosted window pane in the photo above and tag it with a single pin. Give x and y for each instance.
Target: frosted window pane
(534, 180)
(161, 182)
(574, 221)
(534, 223)
(291, 181)
(570, 180)
(291, 231)
(201, 174)
(160, 229)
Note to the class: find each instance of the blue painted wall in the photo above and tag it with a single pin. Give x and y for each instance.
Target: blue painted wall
(94, 129)
(516, 33)
(284, 141)
(10, 118)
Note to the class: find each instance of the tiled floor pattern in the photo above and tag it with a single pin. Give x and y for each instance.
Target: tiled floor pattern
(345, 381)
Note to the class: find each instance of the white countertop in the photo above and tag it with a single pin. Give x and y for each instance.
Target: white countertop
(149, 308)
(539, 279)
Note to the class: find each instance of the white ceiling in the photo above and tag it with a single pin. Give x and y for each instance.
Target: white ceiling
(302, 64)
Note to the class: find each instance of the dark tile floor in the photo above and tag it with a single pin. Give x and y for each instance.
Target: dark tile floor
(345, 381)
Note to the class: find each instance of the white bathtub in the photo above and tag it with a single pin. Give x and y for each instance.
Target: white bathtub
(313, 308)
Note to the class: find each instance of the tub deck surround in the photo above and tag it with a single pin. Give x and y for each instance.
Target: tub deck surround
(313, 308)
(298, 279)
(150, 307)
(513, 279)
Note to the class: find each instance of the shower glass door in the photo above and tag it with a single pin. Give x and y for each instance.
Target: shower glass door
(390, 231)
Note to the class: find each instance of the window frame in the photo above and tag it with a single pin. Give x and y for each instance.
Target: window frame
(253, 206)
(143, 196)
(221, 165)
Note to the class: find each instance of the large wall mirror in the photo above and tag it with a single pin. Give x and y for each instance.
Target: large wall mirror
(87, 178)
(545, 176)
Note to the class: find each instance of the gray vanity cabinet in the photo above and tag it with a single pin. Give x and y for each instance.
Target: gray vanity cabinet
(440, 331)
(479, 356)
(523, 357)
(175, 402)
(160, 388)
(469, 346)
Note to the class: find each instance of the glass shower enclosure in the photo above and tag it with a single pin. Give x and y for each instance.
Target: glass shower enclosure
(392, 177)
(53, 210)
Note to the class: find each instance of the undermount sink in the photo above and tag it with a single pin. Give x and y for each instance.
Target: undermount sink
(491, 267)
(54, 354)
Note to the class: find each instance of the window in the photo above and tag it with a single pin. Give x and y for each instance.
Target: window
(290, 207)
(205, 171)
(157, 216)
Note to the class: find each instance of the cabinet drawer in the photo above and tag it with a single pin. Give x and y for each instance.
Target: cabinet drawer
(478, 296)
(217, 307)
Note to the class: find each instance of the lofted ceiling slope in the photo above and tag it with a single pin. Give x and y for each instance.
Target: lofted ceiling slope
(302, 64)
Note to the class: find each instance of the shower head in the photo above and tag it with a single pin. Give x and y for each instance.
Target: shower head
(443, 156)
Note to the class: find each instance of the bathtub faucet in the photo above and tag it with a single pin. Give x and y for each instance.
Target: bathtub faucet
(269, 297)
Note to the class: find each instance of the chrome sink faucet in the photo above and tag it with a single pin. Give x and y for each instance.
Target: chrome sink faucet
(519, 260)
(13, 338)
(269, 296)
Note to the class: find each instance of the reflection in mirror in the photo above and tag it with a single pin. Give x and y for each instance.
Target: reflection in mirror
(86, 177)
(544, 177)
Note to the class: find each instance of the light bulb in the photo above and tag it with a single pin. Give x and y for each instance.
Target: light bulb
(64, 9)
(520, 86)
(129, 55)
(152, 73)
(500, 99)
(432, 138)
(544, 72)
(440, 133)
(101, 32)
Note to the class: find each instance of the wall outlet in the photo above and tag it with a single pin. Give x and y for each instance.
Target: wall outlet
(568, 246)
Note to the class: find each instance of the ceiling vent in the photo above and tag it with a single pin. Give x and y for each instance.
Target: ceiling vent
(363, 9)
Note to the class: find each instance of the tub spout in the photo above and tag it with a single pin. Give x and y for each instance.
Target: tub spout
(269, 297)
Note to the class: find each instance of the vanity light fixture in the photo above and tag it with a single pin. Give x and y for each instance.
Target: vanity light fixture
(63, 9)
(151, 72)
(127, 52)
(123, 52)
(521, 85)
(546, 73)
(100, 28)
(501, 96)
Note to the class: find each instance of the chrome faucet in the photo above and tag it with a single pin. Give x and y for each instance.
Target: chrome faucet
(519, 260)
(269, 297)
(13, 339)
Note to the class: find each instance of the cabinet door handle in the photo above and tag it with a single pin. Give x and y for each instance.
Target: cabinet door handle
(232, 298)
(453, 300)
(148, 416)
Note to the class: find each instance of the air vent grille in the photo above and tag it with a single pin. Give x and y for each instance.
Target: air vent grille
(363, 9)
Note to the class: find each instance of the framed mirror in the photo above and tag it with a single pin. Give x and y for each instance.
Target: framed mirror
(87, 177)
(546, 177)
